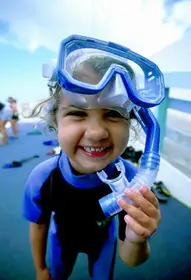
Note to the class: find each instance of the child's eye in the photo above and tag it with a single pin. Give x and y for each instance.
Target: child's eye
(114, 114)
(77, 113)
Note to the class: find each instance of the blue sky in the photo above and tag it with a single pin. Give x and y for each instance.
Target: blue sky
(21, 72)
(30, 33)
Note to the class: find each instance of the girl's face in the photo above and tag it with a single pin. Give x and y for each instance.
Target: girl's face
(91, 138)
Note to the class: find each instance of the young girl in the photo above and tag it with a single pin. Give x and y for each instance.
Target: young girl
(62, 194)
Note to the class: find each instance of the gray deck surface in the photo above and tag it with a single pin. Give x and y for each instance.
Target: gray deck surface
(170, 246)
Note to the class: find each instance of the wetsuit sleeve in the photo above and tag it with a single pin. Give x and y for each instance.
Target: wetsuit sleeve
(36, 207)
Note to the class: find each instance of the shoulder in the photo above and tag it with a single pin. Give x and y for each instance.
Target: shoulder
(35, 206)
(41, 172)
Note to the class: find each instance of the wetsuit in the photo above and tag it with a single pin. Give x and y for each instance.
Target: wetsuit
(77, 223)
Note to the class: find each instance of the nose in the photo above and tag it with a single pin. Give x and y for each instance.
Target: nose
(96, 130)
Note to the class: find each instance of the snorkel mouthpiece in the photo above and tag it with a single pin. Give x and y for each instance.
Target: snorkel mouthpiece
(116, 184)
(108, 203)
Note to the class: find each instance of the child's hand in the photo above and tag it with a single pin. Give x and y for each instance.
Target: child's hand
(43, 274)
(143, 215)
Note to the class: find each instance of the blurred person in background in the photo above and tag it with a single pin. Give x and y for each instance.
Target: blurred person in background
(5, 116)
(15, 115)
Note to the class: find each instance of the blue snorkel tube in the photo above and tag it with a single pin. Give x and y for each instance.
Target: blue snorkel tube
(149, 165)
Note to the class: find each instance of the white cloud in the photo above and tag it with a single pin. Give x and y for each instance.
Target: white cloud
(182, 13)
(138, 24)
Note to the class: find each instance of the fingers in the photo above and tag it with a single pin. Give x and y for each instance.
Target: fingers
(138, 215)
(143, 213)
(149, 195)
(145, 200)
(140, 230)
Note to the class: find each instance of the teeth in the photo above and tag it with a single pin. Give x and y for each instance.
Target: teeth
(89, 150)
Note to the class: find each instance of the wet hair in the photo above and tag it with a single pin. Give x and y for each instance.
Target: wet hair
(100, 64)
(47, 109)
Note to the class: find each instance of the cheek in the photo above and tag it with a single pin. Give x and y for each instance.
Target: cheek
(68, 135)
(125, 138)
(122, 136)
(121, 131)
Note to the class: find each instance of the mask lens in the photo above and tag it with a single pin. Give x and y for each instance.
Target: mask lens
(90, 66)
(86, 66)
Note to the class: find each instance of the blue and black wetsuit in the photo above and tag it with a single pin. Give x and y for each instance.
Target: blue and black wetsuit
(77, 224)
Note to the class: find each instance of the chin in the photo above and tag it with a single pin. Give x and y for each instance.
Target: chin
(96, 169)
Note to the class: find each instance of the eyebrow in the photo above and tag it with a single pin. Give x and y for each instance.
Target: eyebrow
(72, 107)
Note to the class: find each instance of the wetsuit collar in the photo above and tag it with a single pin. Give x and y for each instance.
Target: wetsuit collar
(82, 181)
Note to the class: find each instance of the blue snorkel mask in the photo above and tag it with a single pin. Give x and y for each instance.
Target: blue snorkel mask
(124, 81)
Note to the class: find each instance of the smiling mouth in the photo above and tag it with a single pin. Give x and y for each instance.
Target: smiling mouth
(95, 151)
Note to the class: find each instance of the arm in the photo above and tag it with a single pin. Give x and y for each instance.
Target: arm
(142, 220)
(132, 253)
(38, 239)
